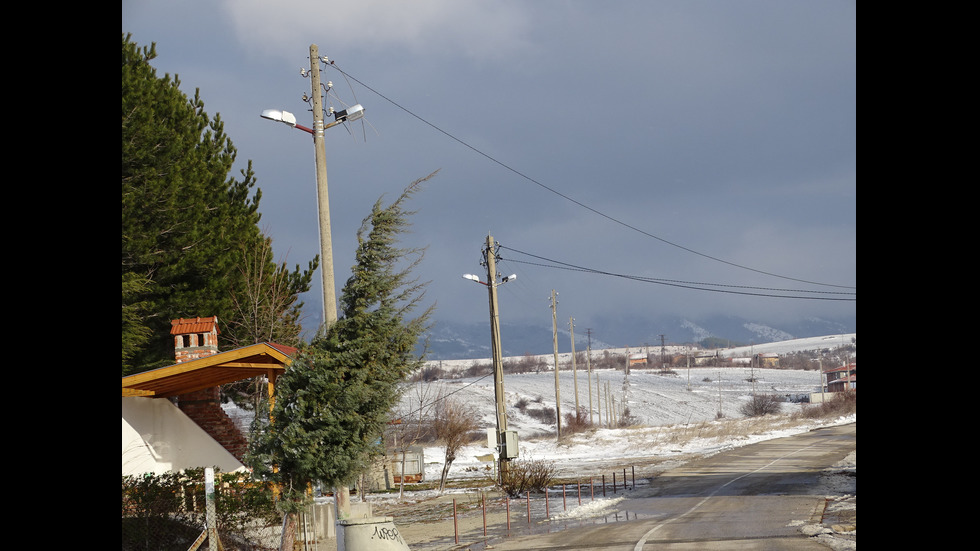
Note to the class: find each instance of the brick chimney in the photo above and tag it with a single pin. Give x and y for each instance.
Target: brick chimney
(196, 338)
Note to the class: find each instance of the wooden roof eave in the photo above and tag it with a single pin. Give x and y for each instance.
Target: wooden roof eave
(222, 368)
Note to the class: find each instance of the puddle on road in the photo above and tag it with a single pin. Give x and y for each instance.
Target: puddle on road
(519, 527)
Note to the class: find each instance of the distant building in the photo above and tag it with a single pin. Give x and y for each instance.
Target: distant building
(841, 378)
(768, 359)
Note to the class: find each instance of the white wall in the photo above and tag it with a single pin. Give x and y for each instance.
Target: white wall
(157, 437)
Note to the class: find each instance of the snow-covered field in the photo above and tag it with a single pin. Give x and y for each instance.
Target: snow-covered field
(654, 400)
(688, 396)
(676, 418)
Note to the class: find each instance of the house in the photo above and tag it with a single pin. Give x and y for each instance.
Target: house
(172, 417)
(768, 359)
(841, 378)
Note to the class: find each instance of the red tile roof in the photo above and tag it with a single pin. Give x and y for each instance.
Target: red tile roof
(182, 326)
(287, 350)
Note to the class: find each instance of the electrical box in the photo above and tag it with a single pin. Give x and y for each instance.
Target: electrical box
(509, 444)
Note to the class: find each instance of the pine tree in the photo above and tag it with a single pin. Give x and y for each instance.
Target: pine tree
(187, 227)
(334, 401)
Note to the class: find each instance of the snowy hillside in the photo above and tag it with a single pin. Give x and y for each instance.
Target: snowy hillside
(793, 345)
(454, 341)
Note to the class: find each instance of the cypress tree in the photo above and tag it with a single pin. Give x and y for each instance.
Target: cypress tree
(334, 401)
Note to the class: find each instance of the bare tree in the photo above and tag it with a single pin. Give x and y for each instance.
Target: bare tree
(454, 421)
(266, 309)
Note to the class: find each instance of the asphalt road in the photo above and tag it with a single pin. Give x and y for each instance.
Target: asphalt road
(750, 498)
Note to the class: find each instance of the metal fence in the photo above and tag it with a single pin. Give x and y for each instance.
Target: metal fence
(458, 519)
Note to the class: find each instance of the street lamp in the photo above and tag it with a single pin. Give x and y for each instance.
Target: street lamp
(506, 440)
(347, 115)
(323, 199)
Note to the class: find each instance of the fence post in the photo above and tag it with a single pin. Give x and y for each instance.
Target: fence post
(211, 512)
(455, 522)
(528, 507)
(507, 503)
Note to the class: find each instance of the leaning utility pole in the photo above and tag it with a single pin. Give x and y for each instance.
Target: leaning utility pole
(342, 493)
(323, 198)
(554, 325)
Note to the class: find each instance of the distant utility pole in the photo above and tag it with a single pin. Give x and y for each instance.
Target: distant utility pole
(598, 398)
(688, 369)
(588, 362)
(498, 370)
(554, 325)
(663, 355)
(719, 395)
(571, 328)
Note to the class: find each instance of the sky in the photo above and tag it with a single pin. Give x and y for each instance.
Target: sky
(677, 157)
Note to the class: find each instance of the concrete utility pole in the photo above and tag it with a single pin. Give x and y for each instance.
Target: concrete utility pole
(588, 362)
(689, 369)
(554, 325)
(598, 398)
(323, 198)
(663, 355)
(342, 494)
(498, 368)
(571, 328)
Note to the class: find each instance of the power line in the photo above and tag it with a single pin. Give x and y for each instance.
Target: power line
(562, 195)
(441, 398)
(700, 286)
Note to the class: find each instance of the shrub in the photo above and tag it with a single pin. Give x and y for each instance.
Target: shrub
(543, 414)
(528, 474)
(478, 370)
(577, 422)
(627, 419)
(167, 511)
(761, 404)
(841, 403)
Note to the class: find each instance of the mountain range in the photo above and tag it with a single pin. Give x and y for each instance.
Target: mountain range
(456, 341)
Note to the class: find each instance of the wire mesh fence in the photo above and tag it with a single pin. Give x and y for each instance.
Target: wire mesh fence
(170, 512)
